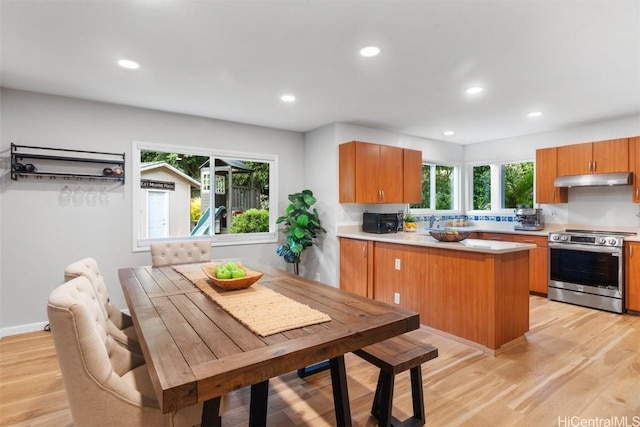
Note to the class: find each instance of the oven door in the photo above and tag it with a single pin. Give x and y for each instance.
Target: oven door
(592, 269)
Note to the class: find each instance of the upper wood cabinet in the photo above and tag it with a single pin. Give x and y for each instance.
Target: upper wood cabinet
(546, 174)
(594, 157)
(374, 173)
(412, 176)
(634, 166)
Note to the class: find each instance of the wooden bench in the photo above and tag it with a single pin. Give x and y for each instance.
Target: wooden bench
(392, 356)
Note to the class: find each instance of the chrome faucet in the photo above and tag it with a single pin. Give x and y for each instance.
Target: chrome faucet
(432, 220)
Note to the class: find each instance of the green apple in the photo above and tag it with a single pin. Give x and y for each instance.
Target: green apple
(231, 265)
(237, 273)
(223, 273)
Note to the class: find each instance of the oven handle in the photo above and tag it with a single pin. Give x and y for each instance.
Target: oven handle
(585, 248)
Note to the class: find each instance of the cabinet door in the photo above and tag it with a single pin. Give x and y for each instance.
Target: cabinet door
(367, 166)
(354, 266)
(546, 173)
(390, 174)
(633, 276)
(611, 156)
(538, 262)
(412, 169)
(634, 166)
(575, 159)
(401, 273)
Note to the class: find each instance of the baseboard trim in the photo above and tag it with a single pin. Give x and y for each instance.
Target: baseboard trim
(22, 329)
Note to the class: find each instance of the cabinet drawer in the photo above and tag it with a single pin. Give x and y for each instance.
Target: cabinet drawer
(540, 241)
(504, 237)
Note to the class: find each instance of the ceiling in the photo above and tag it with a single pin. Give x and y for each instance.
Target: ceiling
(576, 61)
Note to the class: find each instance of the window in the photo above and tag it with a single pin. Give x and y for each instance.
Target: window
(439, 188)
(176, 202)
(502, 185)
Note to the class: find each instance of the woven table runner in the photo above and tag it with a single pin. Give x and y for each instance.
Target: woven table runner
(263, 311)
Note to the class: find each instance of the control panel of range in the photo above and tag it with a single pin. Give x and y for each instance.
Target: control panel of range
(598, 238)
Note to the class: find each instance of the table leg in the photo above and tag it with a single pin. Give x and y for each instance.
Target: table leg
(340, 391)
(258, 405)
(211, 413)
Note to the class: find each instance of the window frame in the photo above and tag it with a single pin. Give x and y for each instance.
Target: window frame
(457, 191)
(497, 196)
(140, 244)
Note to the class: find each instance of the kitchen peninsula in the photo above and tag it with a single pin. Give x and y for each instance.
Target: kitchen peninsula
(474, 290)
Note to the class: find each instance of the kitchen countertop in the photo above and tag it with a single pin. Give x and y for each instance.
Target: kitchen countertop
(422, 238)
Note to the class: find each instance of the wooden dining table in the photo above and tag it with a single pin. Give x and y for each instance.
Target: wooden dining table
(197, 352)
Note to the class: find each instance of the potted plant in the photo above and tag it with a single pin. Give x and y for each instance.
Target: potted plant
(302, 226)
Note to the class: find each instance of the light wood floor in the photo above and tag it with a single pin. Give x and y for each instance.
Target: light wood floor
(576, 362)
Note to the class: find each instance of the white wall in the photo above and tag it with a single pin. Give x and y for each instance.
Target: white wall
(40, 237)
(602, 206)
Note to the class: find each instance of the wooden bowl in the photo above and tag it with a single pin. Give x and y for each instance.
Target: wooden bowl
(450, 235)
(230, 284)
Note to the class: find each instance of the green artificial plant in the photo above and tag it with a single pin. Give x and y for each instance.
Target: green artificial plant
(302, 226)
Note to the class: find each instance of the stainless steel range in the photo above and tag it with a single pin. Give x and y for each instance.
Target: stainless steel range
(586, 268)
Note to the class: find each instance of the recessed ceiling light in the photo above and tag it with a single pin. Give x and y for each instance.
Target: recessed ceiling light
(287, 98)
(369, 51)
(474, 90)
(448, 132)
(534, 114)
(126, 63)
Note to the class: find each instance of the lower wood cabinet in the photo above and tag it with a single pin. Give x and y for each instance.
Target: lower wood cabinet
(356, 266)
(538, 262)
(400, 272)
(633, 276)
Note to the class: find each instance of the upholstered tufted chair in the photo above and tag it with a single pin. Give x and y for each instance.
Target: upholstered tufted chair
(106, 384)
(180, 252)
(119, 324)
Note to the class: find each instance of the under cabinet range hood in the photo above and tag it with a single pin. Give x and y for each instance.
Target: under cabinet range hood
(594, 180)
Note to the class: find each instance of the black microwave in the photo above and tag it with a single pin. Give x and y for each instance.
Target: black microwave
(381, 222)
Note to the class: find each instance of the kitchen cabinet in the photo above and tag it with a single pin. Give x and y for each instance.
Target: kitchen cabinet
(400, 273)
(480, 297)
(356, 266)
(374, 173)
(412, 176)
(594, 157)
(538, 262)
(634, 166)
(633, 276)
(546, 174)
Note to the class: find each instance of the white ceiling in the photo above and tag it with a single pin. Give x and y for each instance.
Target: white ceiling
(577, 61)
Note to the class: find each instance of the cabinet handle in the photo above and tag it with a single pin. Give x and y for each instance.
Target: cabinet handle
(589, 166)
(637, 188)
(553, 196)
(382, 192)
(630, 250)
(364, 250)
(594, 166)
(528, 241)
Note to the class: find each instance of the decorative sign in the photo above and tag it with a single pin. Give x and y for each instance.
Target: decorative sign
(158, 185)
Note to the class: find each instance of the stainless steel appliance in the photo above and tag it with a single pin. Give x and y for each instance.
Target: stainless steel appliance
(529, 219)
(586, 268)
(381, 222)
